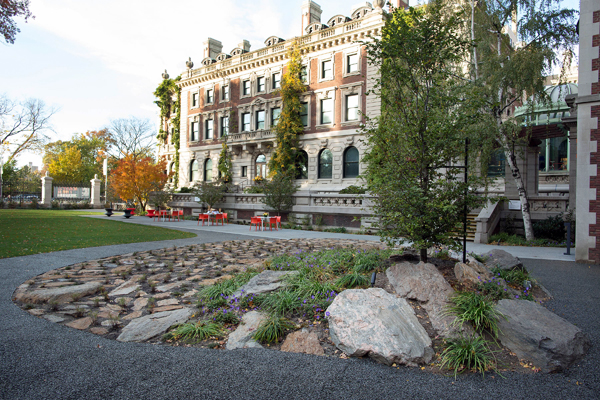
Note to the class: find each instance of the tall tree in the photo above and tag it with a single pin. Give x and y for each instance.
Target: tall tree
(508, 73)
(23, 125)
(426, 116)
(78, 159)
(10, 9)
(131, 136)
(289, 125)
(135, 179)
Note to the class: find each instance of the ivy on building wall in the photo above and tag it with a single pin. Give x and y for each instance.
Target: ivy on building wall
(225, 162)
(290, 123)
(170, 109)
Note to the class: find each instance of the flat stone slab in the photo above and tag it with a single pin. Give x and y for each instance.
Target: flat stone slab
(126, 288)
(81, 324)
(376, 323)
(241, 338)
(265, 282)
(536, 334)
(149, 326)
(60, 295)
(53, 318)
(424, 283)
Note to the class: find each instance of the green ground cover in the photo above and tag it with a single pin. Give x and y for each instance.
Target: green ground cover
(25, 232)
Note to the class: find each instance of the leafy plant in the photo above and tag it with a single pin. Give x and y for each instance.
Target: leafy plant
(353, 189)
(282, 302)
(279, 192)
(475, 309)
(552, 228)
(352, 280)
(467, 353)
(226, 317)
(196, 332)
(272, 329)
(493, 289)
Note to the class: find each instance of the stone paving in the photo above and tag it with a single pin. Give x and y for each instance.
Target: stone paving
(108, 295)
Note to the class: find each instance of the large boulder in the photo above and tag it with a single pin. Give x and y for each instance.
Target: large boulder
(424, 283)
(535, 334)
(303, 342)
(265, 282)
(501, 259)
(471, 272)
(378, 324)
(241, 338)
(149, 326)
(61, 295)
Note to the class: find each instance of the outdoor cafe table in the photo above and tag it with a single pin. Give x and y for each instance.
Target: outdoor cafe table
(213, 215)
(164, 214)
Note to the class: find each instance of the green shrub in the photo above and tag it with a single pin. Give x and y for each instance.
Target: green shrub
(353, 189)
(272, 329)
(467, 353)
(226, 317)
(254, 189)
(367, 261)
(476, 309)
(516, 276)
(493, 289)
(196, 332)
(552, 228)
(185, 189)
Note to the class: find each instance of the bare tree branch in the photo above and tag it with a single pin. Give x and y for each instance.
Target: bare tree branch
(133, 136)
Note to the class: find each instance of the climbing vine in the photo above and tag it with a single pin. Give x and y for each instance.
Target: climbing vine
(290, 124)
(170, 109)
(225, 162)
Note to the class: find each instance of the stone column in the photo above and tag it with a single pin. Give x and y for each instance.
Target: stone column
(95, 198)
(47, 191)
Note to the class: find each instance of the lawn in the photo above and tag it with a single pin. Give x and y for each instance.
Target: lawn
(24, 232)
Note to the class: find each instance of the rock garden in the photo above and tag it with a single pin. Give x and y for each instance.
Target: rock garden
(335, 298)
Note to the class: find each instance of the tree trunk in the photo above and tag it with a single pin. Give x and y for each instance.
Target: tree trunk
(516, 173)
(424, 255)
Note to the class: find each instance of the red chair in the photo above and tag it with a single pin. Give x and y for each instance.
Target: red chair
(132, 211)
(225, 217)
(219, 217)
(272, 220)
(151, 213)
(202, 217)
(279, 221)
(257, 222)
(177, 214)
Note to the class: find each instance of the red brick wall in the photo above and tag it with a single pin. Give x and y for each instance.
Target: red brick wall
(594, 253)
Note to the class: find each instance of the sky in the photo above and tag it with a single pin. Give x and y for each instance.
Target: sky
(96, 61)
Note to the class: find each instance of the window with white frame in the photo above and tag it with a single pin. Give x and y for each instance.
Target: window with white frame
(351, 160)
(326, 69)
(304, 74)
(210, 96)
(194, 131)
(326, 111)
(194, 99)
(304, 113)
(246, 122)
(208, 170)
(260, 84)
(246, 87)
(208, 129)
(325, 164)
(224, 126)
(352, 107)
(275, 113)
(225, 92)
(260, 119)
(276, 80)
(193, 171)
(351, 63)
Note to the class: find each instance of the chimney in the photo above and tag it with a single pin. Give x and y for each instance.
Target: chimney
(311, 12)
(245, 45)
(212, 48)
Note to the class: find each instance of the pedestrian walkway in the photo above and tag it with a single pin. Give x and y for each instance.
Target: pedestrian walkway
(539, 253)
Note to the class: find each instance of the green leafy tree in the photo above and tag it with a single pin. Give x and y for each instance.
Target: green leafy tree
(170, 109)
(290, 125)
(507, 73)
(425, 119)
(279, 193)
(209, 193)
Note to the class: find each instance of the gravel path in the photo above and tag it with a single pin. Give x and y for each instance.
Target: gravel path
(43, 360)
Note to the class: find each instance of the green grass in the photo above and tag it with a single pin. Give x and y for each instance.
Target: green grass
(466, 353)
(25, 232)
(476, 309)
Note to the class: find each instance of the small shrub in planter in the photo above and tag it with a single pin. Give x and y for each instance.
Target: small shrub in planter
(550, 228)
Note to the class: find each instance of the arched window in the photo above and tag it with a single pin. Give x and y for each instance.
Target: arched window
(302, 165)
(208, 170)
(325, 158)
(351, 162)
(261, 166)
(170, 171)
(193, 171)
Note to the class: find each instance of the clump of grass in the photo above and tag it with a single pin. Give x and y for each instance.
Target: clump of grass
(516, 277)
(352, 280)
(151, 303)
(226, 317)
(122, 302)
(94, 316)
(53, 305)
(493, 289)
(467, 353)
(272, 329)
(114, 321)
(476, 309)
(194, 332)
(152, 287)
(76, 296)
(79, 312)
(282, 302)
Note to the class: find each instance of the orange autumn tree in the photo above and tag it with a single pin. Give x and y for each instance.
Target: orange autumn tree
(135, 179)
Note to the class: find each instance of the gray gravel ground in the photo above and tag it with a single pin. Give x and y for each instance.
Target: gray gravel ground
(42, 360)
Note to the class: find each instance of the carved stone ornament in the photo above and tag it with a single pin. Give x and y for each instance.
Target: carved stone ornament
(349, 141)
(189, 63)
(378, 4)
(324, 142)
(165, 76)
